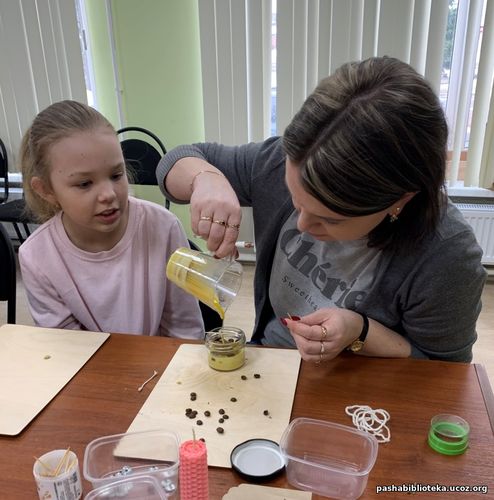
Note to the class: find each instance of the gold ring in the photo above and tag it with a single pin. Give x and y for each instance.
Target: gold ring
(324, 332)
(322, 348)
(318, 362)
(206, 217)
(220, 222)
(233, 226)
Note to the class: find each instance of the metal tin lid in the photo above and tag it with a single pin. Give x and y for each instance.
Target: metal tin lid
(448, 434)
(257, 459)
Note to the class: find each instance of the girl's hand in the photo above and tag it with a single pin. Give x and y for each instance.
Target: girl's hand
(215, 212)
(323, 334)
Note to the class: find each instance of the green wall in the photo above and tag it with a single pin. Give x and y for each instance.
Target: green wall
(159, 69)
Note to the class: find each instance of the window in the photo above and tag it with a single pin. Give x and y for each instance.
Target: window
(86, 53)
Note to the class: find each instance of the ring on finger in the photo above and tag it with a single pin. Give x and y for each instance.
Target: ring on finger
(206, 217)
(324, 332)
(220, 222)
(321, 352)
(233, 226)
(318, 362)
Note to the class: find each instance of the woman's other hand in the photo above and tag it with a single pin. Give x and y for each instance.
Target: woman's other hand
(323, 334)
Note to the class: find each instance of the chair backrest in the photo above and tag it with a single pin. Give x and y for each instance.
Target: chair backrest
(210, 317)
(4, 173)
(142, 156)
(8, 274)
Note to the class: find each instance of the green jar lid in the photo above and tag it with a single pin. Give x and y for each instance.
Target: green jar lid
(448, 434)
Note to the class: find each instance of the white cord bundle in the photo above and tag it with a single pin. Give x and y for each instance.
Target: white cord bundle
(366, 419)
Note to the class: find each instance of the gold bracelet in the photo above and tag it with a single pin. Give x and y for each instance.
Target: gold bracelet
(203, 172)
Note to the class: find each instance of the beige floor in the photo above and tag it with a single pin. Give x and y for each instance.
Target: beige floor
(241, 314)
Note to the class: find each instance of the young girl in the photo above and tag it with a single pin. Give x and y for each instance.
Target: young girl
(98, 260)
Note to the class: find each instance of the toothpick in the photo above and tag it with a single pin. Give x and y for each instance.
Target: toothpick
(194, 434)
(289, 315)
(148, 380)
(70, 465)
(48, 469)
(62, 461)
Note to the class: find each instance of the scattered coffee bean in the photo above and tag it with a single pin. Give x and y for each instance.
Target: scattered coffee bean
(233, 400)
(225, 416)
(220, 430)
(256, 375)
(220, 421)
(199, 422)
(221, 411)
(202, 439)
(243, 377)
(266, 412)
(207, 413)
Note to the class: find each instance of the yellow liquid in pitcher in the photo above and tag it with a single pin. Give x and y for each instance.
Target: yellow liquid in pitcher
(203, 293)
(177, 271)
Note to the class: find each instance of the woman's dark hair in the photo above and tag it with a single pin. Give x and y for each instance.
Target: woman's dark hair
(368, 134)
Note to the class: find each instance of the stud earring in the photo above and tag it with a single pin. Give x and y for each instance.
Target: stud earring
(394, 217)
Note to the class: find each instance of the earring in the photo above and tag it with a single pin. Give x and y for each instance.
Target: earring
(394, 217)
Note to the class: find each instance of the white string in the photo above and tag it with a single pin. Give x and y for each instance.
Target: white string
(365, 419)
(141, 387)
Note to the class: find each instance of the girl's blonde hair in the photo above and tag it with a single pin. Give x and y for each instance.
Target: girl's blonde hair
(58, 121)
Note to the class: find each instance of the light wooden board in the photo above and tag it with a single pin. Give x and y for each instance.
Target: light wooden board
(35, 364)
(189, 372)
(250, 491)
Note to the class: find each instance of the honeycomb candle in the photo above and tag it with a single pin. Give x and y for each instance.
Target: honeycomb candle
(193, 471)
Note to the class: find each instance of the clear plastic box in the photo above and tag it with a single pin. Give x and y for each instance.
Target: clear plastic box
(150, 453)
(131, 488)
(329, 459)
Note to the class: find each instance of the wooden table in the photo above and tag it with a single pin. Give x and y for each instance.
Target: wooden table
(102, 399)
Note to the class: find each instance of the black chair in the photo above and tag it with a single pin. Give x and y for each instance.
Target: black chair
(8, 274)
(210, 317)
(143, 157)
(12, 211)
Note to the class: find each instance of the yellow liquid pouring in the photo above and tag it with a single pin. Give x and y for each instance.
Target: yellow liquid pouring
(177, 270)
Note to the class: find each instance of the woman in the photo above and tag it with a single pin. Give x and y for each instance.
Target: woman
(357, 244)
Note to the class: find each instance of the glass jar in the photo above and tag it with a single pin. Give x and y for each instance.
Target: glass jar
(226, 348)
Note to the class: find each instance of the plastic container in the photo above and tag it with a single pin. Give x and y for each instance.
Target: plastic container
(66, 483)
(131, 488)
(329, 459)
(449, 434)
(150, 453)
(226, 348)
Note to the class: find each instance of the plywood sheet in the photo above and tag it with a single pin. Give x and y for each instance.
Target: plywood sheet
(250, 491)
(189, 372)
(35, 364)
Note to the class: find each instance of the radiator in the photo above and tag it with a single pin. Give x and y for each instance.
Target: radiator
(480, 215)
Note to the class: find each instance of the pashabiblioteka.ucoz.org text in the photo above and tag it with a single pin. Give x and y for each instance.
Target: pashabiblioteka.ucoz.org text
(432, 488)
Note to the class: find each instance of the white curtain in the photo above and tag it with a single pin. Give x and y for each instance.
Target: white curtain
(40, 63)
(314, 37)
